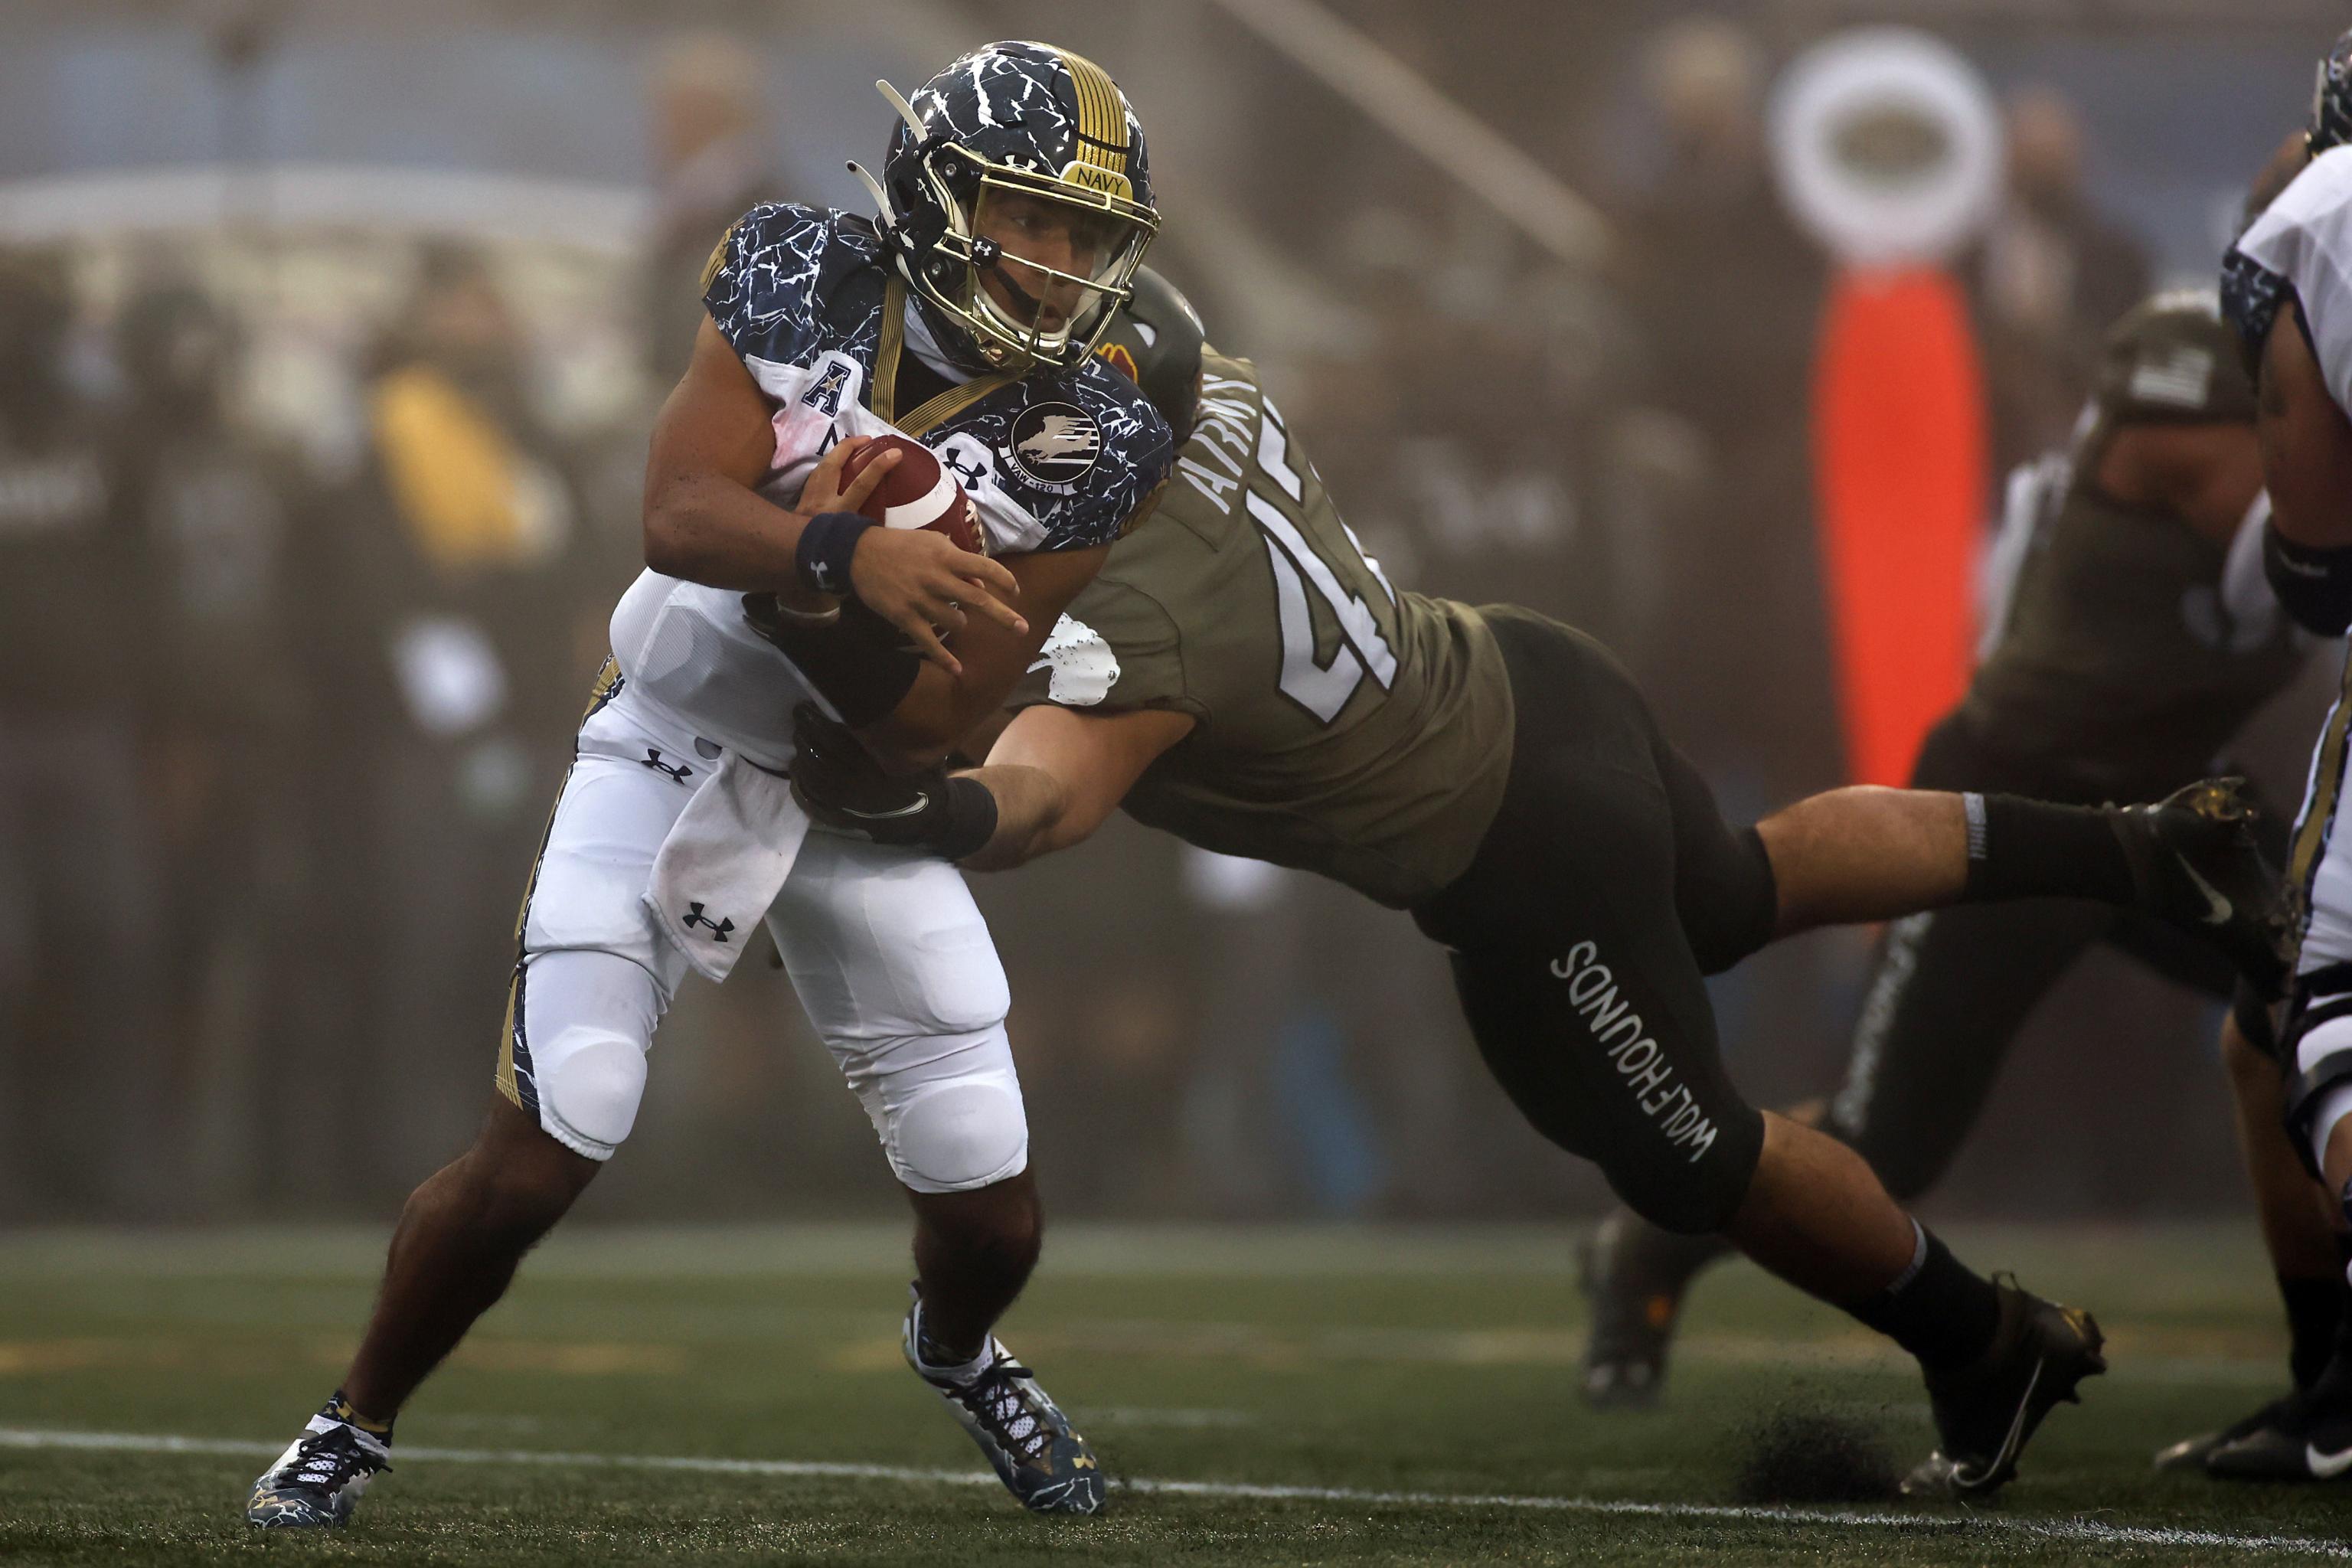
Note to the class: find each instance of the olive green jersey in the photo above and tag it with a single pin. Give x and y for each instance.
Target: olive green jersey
(2124, 660)
(2120, 661)
(1343, 727)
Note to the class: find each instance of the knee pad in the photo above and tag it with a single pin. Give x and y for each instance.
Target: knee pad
(2318, 1053)
(1695, 1196)
(589, 1083)
(953, 1135)
(580, 1025)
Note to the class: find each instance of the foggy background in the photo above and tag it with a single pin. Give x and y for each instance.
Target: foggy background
(289, 703)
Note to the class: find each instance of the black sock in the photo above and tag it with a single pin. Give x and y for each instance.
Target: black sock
(2315, 1310)
(2020, 848)
(1938, 1308)
(2332, 1383)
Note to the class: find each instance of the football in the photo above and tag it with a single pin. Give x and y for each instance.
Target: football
(918, 493)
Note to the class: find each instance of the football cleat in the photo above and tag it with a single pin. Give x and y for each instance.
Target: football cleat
(1987, 1412)
(2190, 1453)
(1026, 1438)
(1635, 1275)
(2306, 1436)
(2195, 864)
(317, 1482)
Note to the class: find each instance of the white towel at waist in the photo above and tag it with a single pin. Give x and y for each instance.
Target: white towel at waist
(724, 862)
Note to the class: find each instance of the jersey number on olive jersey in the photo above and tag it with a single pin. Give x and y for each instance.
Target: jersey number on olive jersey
(1322, 688)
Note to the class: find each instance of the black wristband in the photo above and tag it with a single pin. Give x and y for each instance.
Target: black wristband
(2314, 585)
(967, 819)
(827, 542)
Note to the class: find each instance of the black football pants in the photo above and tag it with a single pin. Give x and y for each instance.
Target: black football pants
(1605, 890)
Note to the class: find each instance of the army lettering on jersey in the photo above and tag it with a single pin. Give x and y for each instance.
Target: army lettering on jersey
(1343, 727)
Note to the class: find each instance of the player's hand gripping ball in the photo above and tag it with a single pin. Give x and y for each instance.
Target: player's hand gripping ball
(920, 492)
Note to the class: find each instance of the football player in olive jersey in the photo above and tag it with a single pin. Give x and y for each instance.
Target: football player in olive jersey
(1244, 676)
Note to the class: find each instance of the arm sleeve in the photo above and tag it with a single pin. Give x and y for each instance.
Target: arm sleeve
(1113, 651)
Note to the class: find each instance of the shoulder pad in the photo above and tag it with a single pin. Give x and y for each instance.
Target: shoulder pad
(790, 282)
(2302, 246)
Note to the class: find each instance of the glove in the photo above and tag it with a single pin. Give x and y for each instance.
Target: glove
(844, 790)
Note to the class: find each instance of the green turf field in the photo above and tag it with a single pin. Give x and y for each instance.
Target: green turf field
(1267, 1397)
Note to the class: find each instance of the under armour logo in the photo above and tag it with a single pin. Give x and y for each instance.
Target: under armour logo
(965, 467)
(719, 928)
(682, 773)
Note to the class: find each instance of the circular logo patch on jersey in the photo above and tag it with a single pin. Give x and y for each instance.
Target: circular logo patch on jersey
(1053, 444)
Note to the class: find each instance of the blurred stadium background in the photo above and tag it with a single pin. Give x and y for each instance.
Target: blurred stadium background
(329, 335)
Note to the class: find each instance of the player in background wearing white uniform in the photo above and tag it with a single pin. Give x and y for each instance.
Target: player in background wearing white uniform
(1015, 205)
(2287, 288)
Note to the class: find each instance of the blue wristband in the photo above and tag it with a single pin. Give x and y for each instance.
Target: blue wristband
(827, 542)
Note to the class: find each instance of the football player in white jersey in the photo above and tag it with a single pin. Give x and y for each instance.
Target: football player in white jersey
(2287, 285)
(1015, 205)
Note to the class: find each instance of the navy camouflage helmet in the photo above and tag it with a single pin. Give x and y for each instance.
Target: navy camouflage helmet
(2331, 101)
(1009, 121)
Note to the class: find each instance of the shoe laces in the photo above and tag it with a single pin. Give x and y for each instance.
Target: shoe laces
(1004, 1403)
(329, 1461)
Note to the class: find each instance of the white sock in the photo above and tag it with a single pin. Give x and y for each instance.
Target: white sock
(962, 1371)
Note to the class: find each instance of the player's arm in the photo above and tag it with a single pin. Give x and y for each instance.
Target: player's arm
(1052, 778)
(2307, 461)
(1057, 775)
(704, 520)
(943, 706)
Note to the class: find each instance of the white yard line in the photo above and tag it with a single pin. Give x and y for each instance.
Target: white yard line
(2080, 1531)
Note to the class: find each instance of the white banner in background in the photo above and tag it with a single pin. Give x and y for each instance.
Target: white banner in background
(1888, 146)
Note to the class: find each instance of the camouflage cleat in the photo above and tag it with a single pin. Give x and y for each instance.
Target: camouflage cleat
(317, 1482)
(2195, 864)
(1025, 1437)
(1987, 1412)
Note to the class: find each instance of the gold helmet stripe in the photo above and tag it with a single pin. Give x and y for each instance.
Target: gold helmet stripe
(1102, 114)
